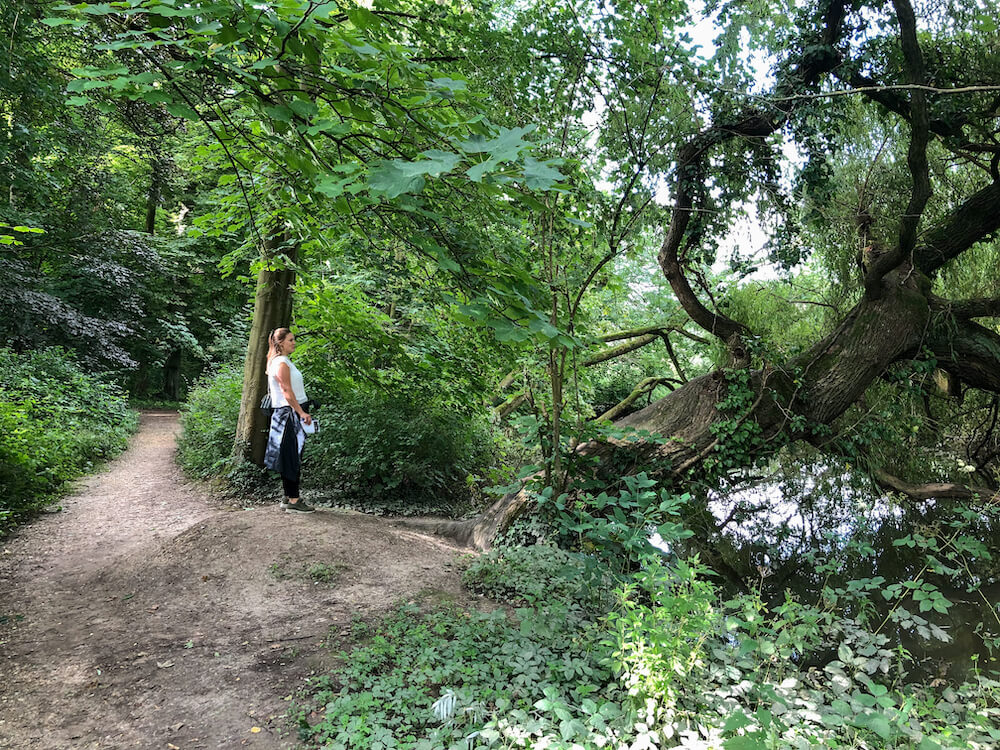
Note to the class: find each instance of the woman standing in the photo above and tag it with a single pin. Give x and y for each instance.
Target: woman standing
(287, 436)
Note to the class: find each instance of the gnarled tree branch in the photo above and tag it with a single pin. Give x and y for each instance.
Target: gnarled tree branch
(644, 387)
(916, 157)
(929, 490)
(692, 158)
(973, 308)
(967, 350)
(689, 173)
(617, 351)
(659, 330)
(972, 222)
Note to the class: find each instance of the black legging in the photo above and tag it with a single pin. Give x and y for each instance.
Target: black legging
(291, 487)
(289, 442)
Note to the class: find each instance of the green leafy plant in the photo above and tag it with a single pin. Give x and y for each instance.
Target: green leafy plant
(392, 452)
(617, 527)
(535, 575)
(435, 679)
(673, 663)
(208, 423)
(323, 573)
(57, 423)
(12, 239)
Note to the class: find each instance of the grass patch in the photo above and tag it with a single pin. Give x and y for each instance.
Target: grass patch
(317, 572)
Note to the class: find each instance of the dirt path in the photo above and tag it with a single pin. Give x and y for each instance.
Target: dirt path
(148, 615)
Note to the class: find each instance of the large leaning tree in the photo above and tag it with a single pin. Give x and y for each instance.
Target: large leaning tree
(927, 74)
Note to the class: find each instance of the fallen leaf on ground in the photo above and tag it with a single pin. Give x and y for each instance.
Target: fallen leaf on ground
(164, 664)
(254, 730)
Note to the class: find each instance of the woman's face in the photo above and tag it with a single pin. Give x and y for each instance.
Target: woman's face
(288, 345)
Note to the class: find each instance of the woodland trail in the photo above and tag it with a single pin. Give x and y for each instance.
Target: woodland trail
(147, 614)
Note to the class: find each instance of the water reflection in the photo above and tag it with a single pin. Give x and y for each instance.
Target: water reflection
(812, 531)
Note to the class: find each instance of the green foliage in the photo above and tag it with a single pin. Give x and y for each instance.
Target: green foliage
(736, 435)
(674, 664)
(208, 432)
(292, 124)
(323, 573)
(108, 278)
(370, 326)
(392, 452)
(409, 194)
(667, 617)
(374, 450)
(57, 422)
(208, 423)
(12, 239)
(616, 528)
(533, 576)
(790, 314)
(737, 672)
(429, 680)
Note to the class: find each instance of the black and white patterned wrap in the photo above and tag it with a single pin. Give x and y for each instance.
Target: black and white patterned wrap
(285, 457)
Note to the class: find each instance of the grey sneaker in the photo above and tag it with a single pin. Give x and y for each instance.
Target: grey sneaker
(300, 507)
(284, 504)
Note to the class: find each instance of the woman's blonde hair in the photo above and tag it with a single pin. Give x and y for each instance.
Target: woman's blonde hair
(275, 342)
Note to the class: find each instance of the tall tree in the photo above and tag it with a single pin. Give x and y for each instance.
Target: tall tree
(96, 281)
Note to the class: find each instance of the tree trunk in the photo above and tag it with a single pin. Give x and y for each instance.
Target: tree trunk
(153, 196)
(272, 309)
(172, 375)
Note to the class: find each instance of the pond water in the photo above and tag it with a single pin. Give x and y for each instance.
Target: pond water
(806, 531)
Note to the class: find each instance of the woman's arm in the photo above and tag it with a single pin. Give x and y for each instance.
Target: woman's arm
(284, 376)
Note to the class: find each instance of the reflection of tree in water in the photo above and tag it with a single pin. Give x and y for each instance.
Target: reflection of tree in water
(812, 530)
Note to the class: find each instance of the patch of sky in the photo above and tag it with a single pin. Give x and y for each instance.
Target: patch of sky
(745, 245)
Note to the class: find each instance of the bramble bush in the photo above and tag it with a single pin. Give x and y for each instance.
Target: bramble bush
(57, 422)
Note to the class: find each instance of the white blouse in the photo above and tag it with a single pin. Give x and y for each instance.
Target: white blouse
(277, 397)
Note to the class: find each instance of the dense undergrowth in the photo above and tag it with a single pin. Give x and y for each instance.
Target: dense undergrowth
(374, 451)
(670, 664)
(57, 422)
(208, 424)
(647, 650)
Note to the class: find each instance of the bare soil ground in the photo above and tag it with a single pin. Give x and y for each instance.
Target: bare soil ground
(149, 614)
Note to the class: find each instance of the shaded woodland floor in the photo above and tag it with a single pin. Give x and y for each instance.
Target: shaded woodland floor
(150, 614)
